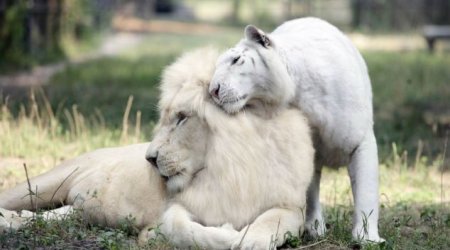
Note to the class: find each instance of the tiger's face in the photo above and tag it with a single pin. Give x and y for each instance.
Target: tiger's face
(241, 75)
(251, 74)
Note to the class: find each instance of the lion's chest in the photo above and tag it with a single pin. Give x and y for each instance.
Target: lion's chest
(240, 200)
(213, 206)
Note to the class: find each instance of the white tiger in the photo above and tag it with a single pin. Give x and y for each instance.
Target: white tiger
(311, 65)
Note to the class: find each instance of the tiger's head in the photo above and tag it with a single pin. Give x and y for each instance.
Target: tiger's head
(251, 73)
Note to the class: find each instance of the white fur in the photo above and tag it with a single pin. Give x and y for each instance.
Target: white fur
(224, 172)
(106, 186)
(254, 171)
(311, 65)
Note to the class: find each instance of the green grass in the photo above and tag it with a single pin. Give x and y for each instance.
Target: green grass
(411, 94)
(73, 232)
(84, 106)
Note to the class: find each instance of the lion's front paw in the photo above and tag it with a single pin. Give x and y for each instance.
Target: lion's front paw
(229, 227)
(253, 240)
(150, 233)
(252, 243)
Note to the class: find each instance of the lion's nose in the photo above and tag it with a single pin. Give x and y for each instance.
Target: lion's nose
(215, 92)
(152, 158)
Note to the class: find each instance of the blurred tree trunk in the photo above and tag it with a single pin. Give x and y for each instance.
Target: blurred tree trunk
(43, 22)
(54, 24)
(287, 9)
(30, 31)
(145, 8)
(12, 31)
(235, 11)
(356, 11)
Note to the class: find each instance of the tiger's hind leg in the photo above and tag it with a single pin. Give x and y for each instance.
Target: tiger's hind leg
(315, 223)
(363, 171)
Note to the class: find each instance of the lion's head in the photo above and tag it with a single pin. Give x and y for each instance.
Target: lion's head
(251, 71)
(180, 137)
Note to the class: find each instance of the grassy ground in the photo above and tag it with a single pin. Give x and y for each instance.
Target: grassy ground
(83, 107)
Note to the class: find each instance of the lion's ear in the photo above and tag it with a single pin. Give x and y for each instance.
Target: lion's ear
(254, 34)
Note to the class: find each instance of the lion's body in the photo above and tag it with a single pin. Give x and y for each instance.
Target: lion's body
(220, 169)
(244, 156)
(309, 64)
(106, 185)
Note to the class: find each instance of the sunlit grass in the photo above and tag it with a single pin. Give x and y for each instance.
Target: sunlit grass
(37, 138)
(422, 183)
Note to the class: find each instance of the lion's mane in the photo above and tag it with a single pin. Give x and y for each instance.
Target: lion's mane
(252, 164)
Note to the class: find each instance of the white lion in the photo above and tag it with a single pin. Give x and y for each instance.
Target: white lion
(311, 65)
(242, 171)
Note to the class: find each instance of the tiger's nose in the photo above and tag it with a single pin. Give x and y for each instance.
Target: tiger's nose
(152, 158)
(215, 92)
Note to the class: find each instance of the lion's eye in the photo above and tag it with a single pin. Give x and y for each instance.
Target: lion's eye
(181, 118)
(235, 60)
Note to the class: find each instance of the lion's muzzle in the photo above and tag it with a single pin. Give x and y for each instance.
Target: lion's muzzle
(152, 158)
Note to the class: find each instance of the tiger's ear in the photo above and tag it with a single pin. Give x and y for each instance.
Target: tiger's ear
(256, 35)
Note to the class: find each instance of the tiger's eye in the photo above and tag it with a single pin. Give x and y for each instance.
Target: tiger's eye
(235, 60)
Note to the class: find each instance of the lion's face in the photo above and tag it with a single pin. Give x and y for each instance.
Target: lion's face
(241, 75)
(178, 147)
